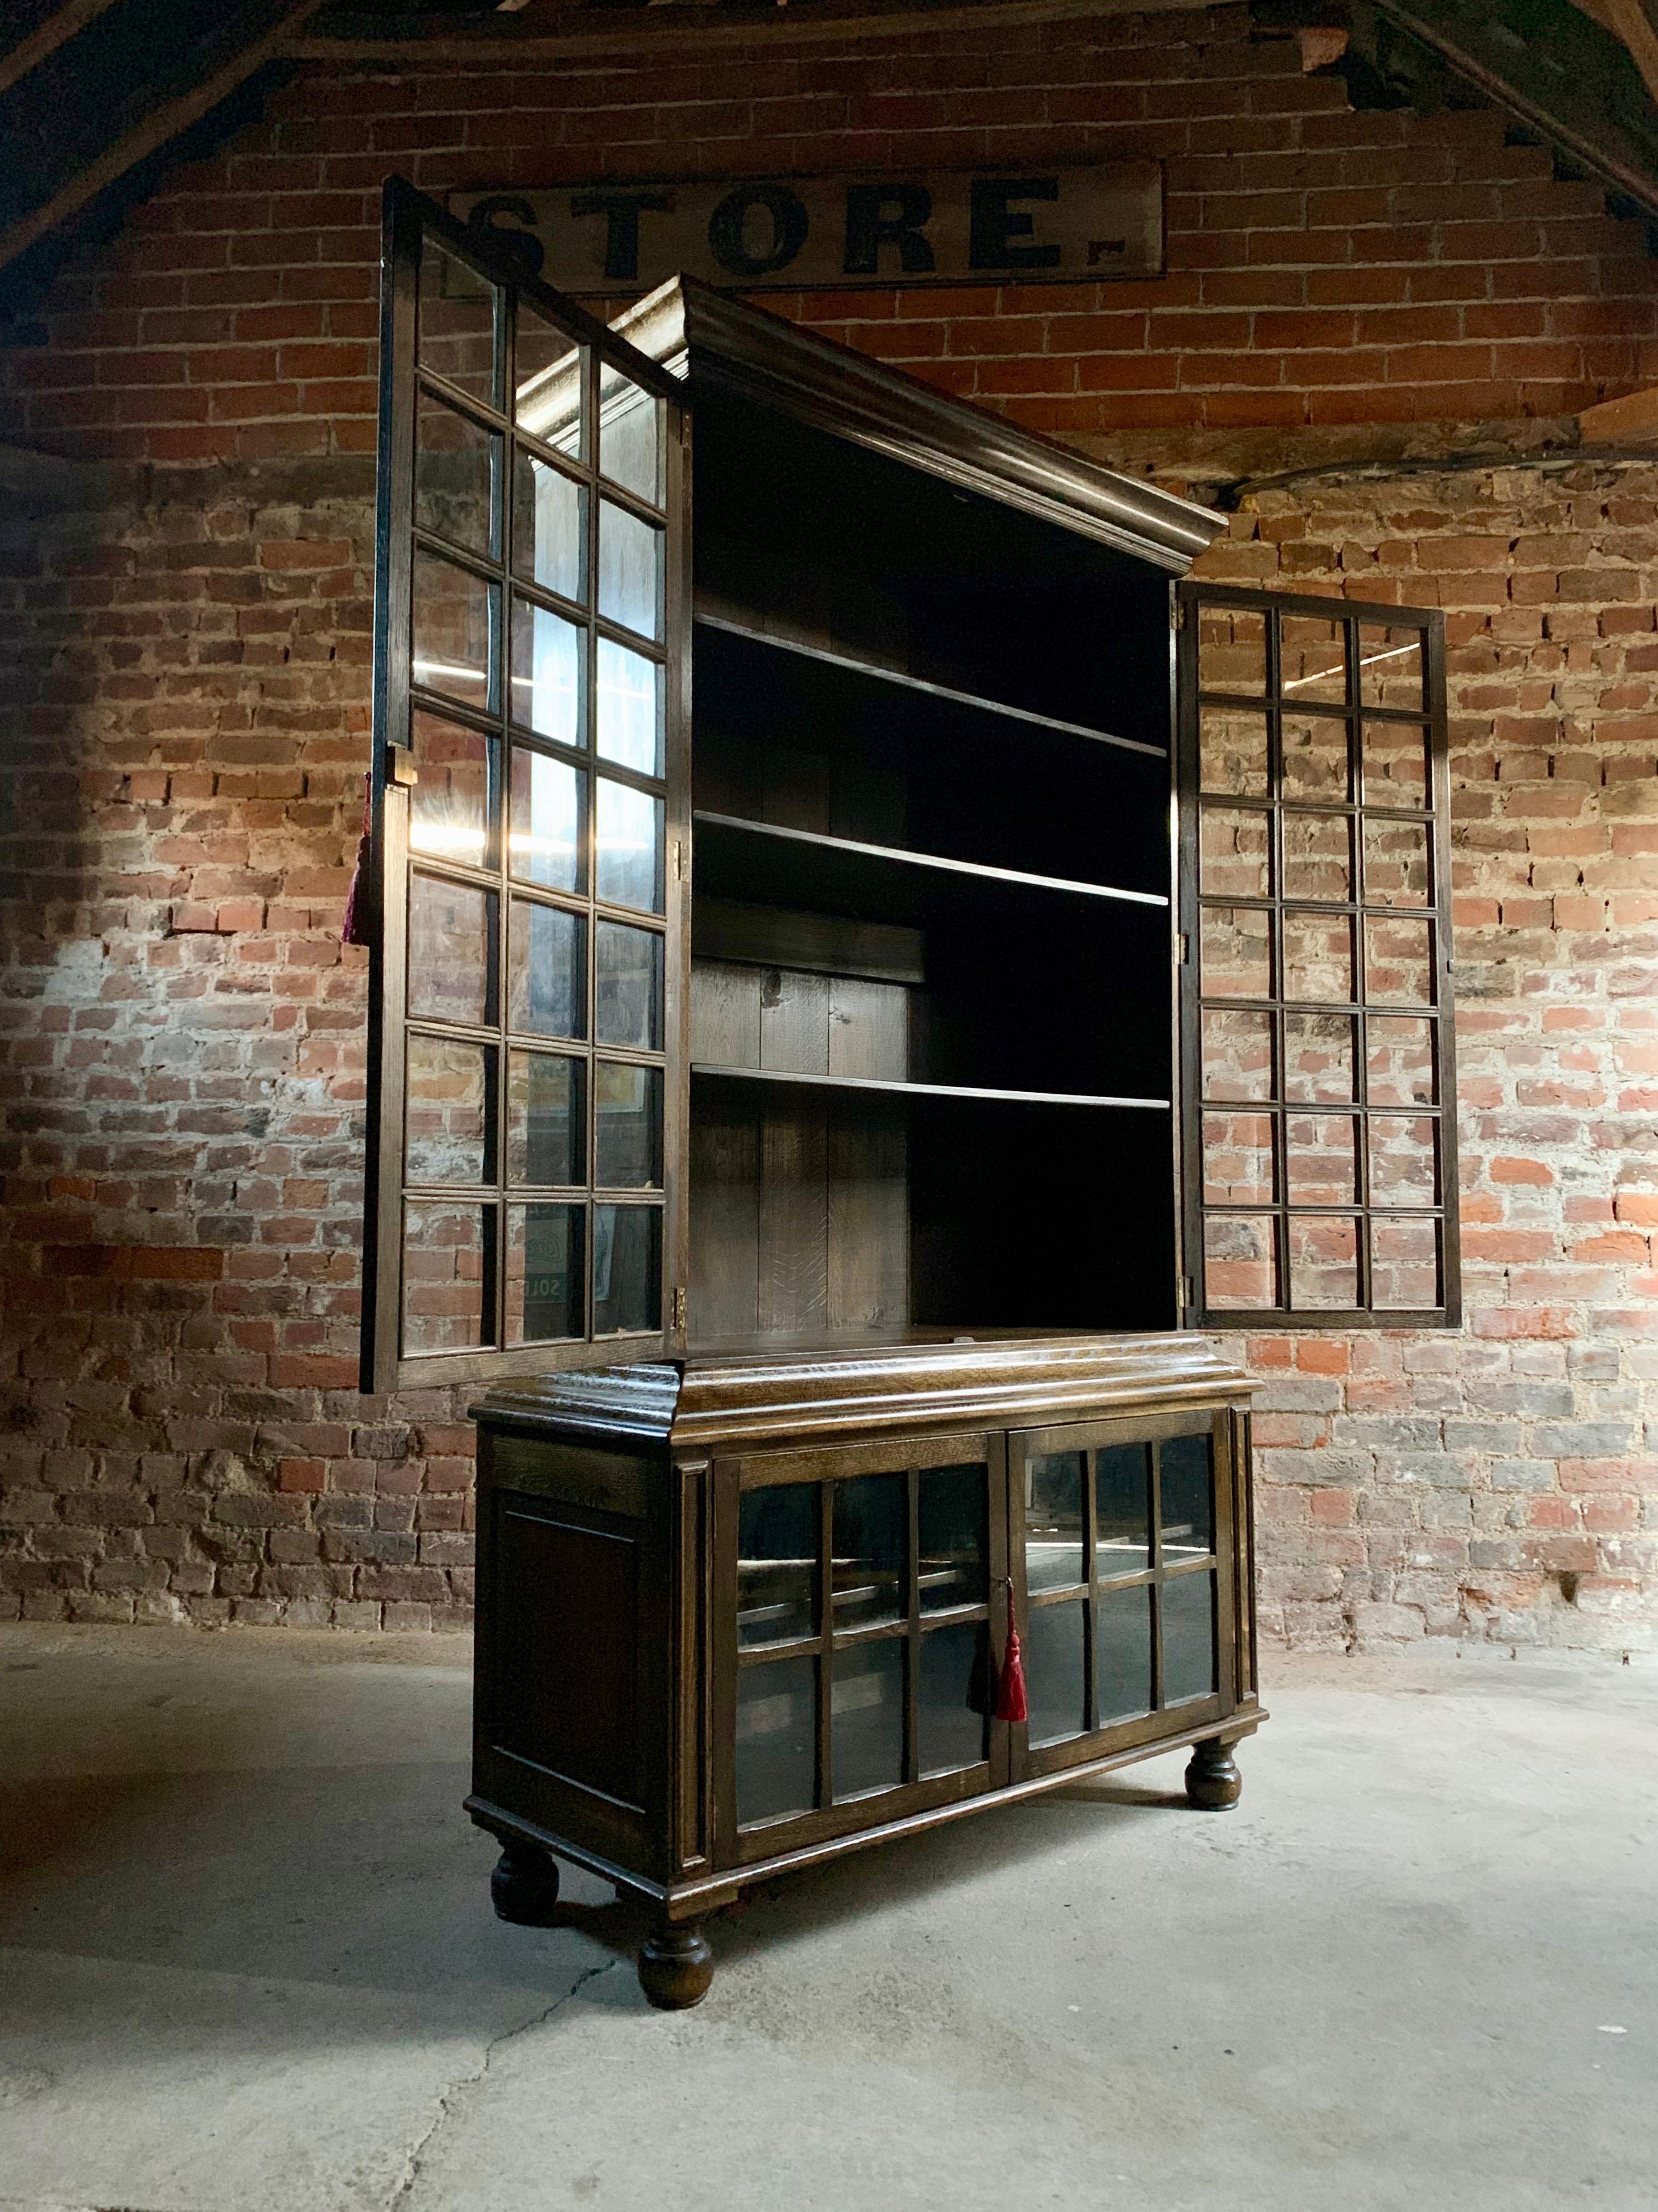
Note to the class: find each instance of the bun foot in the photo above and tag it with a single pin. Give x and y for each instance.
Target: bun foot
(1212, 1781)
(676, 1967)
(524, 1886)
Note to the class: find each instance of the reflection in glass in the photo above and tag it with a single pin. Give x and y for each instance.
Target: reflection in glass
(1055, 1687)
(1236, 952)
(1394, 759)
(548, 971)
(451, 950)
(546, 672)
(627, 1268)
(627, 1126)
(1239, 1261)
(1392, 672)
(952, 1536)
(549, 380)
(871, 1520)
(457, 317)
(630, 571)
(1318, 1066)
(628, 965)
(447, 1262)
(1317, 857)
(1122, 1653)
(1234, 853)
(952, 1695)
(1399, 1060)
(549, 527)
(1231, 649)
(776, 1740)
(1239, 1167)
(627, 847)
(1395, 862)
(1316, 757)
(1237, 1053)
(777, 1563)
(1312, 659)
(546, 844)
(1318, 956)
(457, 478)
(1405, 1263)
(1186, 1604)
(544, 1119)
(1122, 1503)
(1404, 1159)
(456, 618)
(629, 718)
(630, 436)
(449, 806)
(1054, 1521)
(1321, 1159)
(449, 1111)
(544, 1272)
(1398, 960)
(1187, 1489)
(866, 1718)
(1232, 752)
(1323, 1261)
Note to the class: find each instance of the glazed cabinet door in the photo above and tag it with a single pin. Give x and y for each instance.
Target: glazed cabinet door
(1122, 1536)
(854, 1678)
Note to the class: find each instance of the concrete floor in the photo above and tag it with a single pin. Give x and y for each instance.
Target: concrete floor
(248, 1962)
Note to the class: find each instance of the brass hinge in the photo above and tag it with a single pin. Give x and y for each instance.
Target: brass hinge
(1185, 1290)
(679, 859)
(1182, 948)
(679, 1307)
(400, 765)
(1177, 613)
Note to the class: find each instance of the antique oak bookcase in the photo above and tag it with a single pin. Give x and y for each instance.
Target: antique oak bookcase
(777, 1066)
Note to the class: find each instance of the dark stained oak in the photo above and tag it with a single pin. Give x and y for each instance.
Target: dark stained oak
(524, 1886)
(1213, 1783)
(676, 1967)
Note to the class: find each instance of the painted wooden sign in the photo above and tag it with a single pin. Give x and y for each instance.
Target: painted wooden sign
(1061, 225)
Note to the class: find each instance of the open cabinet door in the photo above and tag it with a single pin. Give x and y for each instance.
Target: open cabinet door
(527, 901)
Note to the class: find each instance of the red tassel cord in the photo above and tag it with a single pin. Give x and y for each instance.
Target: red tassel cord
(1010, 1703)
(353, 930)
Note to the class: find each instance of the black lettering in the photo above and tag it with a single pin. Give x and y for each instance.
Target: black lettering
(519, 247)
(789, 222)
(869, 228)
(994, 223)
(621, 211)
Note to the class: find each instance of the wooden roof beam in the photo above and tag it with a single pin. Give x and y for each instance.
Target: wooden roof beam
(56, 30)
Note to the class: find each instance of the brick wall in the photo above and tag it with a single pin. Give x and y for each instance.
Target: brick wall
(183, 1034)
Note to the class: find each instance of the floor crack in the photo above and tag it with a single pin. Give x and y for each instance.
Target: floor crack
(446, 2101)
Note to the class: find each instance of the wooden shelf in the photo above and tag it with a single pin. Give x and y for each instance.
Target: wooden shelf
(874, 670)
(924, 1089)
(853, 850)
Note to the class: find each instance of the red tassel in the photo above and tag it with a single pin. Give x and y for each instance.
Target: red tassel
(1009, 1696)
(353, 930)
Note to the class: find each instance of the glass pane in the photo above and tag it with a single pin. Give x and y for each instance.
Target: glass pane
(1312, 659)
(1185, 1484)
(449, 1111)
(1239, 1261)
(777, 1563)
(776, 1740)
(630, 436)
(1321, 1159)
(1394, 758)
(1056, 1688)
(1238, 1164)
(627, 1127)
(452, 951)
(544, 1272)
(546, 843)
(1323, 1261)
(1233, 853)
(1318, 956)
(456, 322)
(449, 806)
(1399, 961)
(951, 1531)
(545, 1132)
(628, 985)
(1395, 862)
(1399, 1060)
(1405, 1268)
(1231, 649)
(1054, 1522)
(547, 993)
(1314, 756)
(952, 1697)
(549, 527)
(1317, 857)
(456, 620)
(1236, 952)
(871, 1520)
(630, 570)
(627, 847)
(630, 708)
(1122, 1653)
(1404, 1159)
(1188, 1606)
(1319, 1064)
(457, 478)
(866, 1718)
(448, 1261)
(547, 658)
(1232, 754)
(1391, 669)
(550, 384)
(1122, 1505)
(1237, 1055)
(627, 1268)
